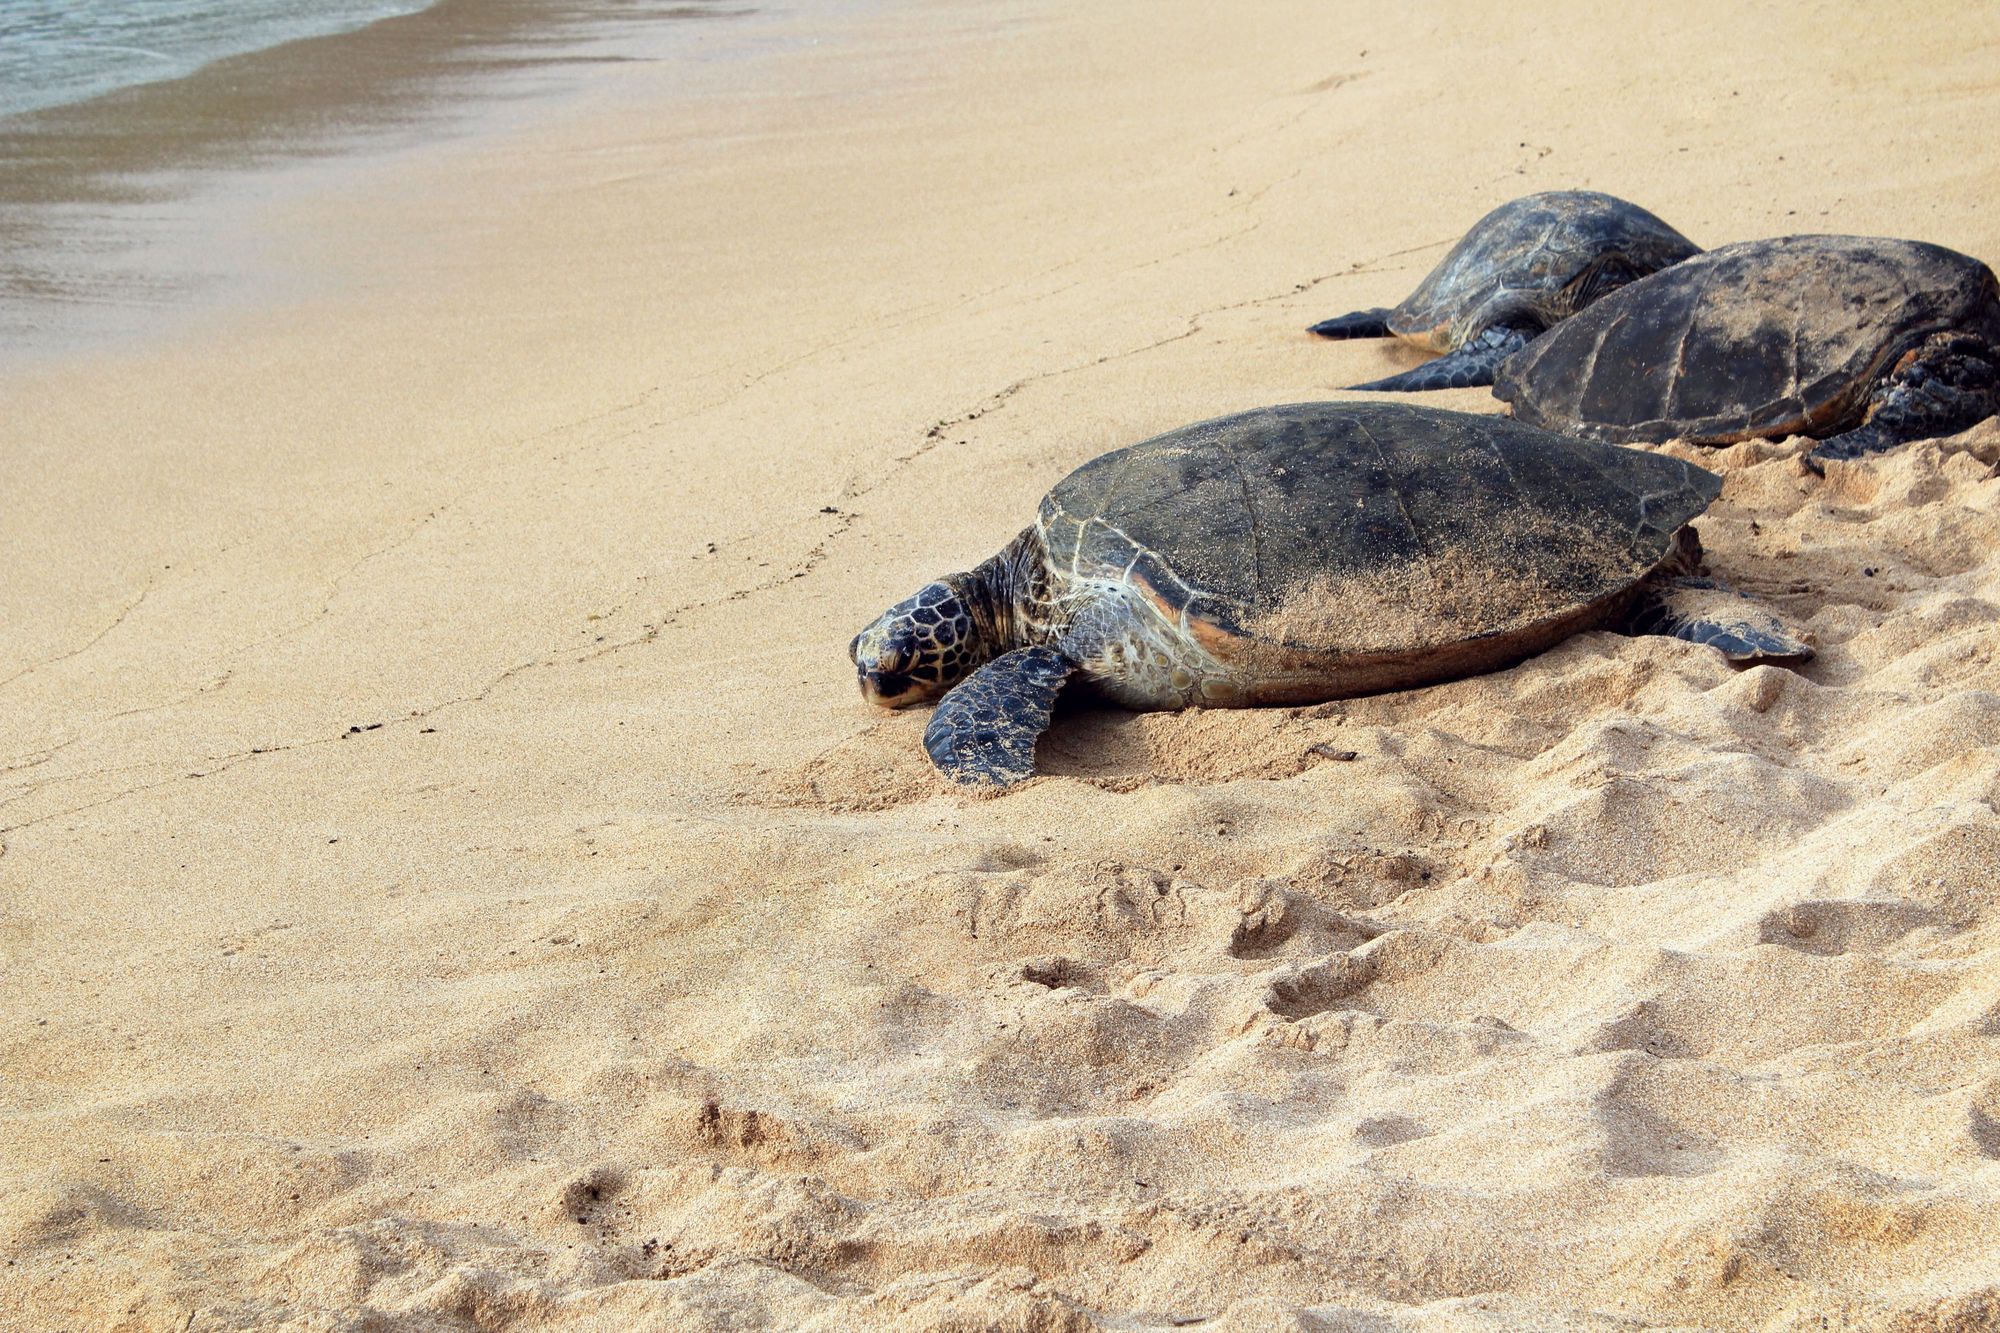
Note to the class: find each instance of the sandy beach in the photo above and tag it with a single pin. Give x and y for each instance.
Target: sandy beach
(448, 879)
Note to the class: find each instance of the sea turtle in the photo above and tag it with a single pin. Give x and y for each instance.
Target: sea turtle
(1523, 268)
(1860, 341)
(1302, 553)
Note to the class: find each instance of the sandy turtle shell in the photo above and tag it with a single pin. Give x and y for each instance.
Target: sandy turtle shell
(1535, 260)
(1297, 554)
(1330, 548)
(1760, 339)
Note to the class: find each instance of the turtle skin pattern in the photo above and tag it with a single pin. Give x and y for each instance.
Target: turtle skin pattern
(984, 732)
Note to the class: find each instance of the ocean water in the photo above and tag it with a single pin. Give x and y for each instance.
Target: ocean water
(58, 51)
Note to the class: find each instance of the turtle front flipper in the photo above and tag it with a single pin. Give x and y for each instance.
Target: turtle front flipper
(1360, 324)
(1946, 385)
(1468, 367)
(984, 731)
(1704, 611)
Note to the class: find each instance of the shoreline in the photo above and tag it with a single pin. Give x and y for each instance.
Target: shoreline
(122, 210)
(95, 50)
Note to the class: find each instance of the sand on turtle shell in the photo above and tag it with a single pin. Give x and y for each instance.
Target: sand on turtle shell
(1500, 589)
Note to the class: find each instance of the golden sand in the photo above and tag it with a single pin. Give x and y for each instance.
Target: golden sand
(451, 882)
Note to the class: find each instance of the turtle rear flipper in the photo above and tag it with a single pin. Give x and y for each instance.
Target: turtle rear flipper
(1704, 611)
(1469, 367)
(985, 729)
(1360, 324)
(1948, 384)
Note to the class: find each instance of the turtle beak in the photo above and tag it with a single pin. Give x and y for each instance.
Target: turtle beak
(887, 689)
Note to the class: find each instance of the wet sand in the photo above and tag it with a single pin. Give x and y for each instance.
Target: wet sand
(449, 880)
(118, 211)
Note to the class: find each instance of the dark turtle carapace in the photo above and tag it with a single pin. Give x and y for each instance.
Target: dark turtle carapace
(1859, 341)
(1523, 268)
(1296, 554)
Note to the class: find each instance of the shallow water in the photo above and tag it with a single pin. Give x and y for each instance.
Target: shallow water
(58, 51)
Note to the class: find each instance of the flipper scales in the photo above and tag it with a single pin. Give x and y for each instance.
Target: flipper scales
(985, 729)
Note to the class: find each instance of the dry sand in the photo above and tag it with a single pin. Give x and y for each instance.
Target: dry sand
(624, 971)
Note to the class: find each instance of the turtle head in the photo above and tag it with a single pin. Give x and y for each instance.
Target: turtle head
(920, 647)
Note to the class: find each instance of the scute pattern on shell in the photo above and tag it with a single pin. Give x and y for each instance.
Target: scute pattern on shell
(1345, 530)
(1521, 258)
(1760, 339)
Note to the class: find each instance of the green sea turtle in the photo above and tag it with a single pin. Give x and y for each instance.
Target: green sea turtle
(1296, 554)
(1859, 341)
(1523, 268)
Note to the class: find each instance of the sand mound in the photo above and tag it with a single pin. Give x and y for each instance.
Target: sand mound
(1621, 981)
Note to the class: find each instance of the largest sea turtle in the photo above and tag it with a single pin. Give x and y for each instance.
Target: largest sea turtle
(1860, 341)
(1302, 553)
(1524, 267)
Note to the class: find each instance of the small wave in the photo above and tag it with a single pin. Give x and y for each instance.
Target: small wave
(54, 52)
